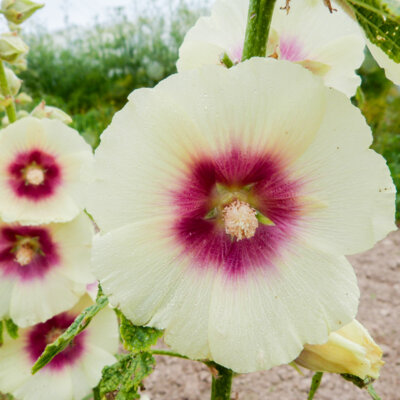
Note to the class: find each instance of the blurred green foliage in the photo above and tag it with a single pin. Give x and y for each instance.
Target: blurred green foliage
(379, 101)
(90, 73)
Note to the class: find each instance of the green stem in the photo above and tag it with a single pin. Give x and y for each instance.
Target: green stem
(167, 353)
(372, 392)
(5, 90)
(257, 30)
(221, 382)
(316, 381)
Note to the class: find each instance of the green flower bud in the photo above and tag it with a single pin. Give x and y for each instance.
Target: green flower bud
(11, 47)
(23, 98)
(349, 350)
(17, 11)
(14, 83)
(43, 111)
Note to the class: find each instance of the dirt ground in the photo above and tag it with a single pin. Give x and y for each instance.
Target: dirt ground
(378, 271)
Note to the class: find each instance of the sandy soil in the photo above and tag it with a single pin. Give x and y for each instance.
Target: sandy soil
(378, 271)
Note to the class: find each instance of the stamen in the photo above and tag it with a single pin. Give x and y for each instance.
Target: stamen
(24, 255)
(34, 175)
(240, 220)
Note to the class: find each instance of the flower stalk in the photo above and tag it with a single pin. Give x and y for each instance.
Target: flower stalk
(5, 90)
(257, 30)
(221, 382)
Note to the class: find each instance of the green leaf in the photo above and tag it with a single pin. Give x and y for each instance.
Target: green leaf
(262, 219)
(316, 381)
(1, 333)
(12, 329)
(380, 20)
(137, 338)
(124, 378)
(80, 323)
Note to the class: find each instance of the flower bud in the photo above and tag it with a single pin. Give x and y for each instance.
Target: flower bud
(349, 350)
(23, 99)
(17, 11)
(11, 47)
(14, 83)
(43, 111)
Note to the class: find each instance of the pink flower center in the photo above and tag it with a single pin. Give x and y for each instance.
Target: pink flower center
(41, 335)
(291, 49)
(34, 175)
(246, 182)
(27, 252)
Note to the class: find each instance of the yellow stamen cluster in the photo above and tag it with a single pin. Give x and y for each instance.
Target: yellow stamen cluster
(24, 255)
(34, 175)
(240, 220)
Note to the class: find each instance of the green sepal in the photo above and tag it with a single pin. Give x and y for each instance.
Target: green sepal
(262, 219)
(124, 378)
(79, 324)
(137, 338)
(380, 21)
(11, 328)
(315, 382)
(225, 60)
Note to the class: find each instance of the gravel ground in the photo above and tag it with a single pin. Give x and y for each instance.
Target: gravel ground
(378, 271)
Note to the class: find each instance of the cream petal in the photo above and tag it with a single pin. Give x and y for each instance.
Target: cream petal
(47, 385)
(38, 300)
(80, 384)
(349, 184)
(392, 69)
(264, 320)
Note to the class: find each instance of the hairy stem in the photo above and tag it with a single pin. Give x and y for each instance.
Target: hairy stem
(5, 90)
(257, 30)
(221, 382)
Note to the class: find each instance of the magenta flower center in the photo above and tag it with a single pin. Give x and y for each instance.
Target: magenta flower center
(247, 185)
(47, 332)
(27, 252)
(34, 175)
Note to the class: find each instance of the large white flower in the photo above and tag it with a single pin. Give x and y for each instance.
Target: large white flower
(73, 373)
(392, 69)
(43, 167)
(227, 200)
(330, 45)
(44, 269)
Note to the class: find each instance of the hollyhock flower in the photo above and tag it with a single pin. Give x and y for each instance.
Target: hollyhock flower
(330, 45)
(227, 199)
(71, 374)
(350, 350)
(44, 269)
(43, 167)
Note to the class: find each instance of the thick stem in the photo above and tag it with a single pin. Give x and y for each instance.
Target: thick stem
(221, 382)
(258, 24)
(5, 90)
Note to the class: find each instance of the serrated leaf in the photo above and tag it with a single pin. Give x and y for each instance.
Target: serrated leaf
(124, 378)
(137, 338)
(79, 324)
(380, 20)
(11, 328)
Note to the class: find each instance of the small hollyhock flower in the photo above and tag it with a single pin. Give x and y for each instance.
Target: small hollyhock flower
(44, 269)
(71, 374)
(329, 45)
(43, 167)
(227, 199)
(350, 350)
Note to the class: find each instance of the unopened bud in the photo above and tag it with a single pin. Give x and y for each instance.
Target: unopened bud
(349, 350)
(11, 47)
(14, 83)
(17, 11)
(20, 114)
(43, 111)
(23, 99)
(20, 64)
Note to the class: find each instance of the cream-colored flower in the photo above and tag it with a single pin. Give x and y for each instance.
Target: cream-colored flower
(73, 373)
(44, 269)
(330, 45)
(392, 69)
(349, 350)
(44, 166)
(266, 133)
